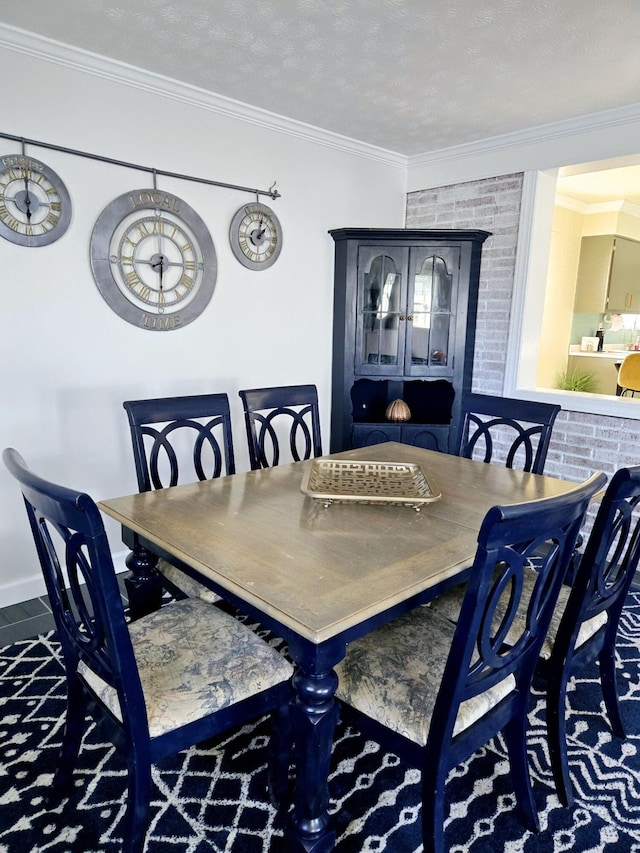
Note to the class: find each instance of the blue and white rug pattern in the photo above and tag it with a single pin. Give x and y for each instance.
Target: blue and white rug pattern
(213, 800)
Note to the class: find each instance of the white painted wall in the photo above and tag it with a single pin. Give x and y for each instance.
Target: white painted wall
(68, 361)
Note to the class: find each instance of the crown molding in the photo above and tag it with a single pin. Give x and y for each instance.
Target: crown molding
(631, 208)
(588, 208)
(574, 204)
(29, 44)
(621, 206)
(605, 120)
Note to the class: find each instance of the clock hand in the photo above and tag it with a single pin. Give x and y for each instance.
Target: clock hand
(157, 264)
(157, 260)
(258, 233)
(27, 198)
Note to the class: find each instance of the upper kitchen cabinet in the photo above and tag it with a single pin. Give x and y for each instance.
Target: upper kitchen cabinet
(404, 328)
(608, 275)
(624, 283)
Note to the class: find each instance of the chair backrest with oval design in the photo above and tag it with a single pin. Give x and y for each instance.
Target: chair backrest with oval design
(587, 627)
(434, 692)
(282, 423)
(180, 439)
(172, 679)
(506, 431)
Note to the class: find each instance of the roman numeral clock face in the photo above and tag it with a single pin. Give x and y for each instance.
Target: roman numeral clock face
(153, 260)
(255, 236)
(35, 208)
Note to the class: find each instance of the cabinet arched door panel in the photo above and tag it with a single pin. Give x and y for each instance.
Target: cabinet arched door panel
(381, 310)
(431, 311)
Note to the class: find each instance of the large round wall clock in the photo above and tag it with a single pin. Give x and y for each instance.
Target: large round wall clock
(35, 208)
(153, 260)
(255, 236)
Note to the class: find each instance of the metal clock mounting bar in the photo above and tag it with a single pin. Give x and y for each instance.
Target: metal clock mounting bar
(272, 192)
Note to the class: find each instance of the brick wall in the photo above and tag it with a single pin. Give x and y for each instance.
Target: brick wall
(492, 205)
(581, 443)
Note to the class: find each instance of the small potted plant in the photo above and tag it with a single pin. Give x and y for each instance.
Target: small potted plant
(577, 380)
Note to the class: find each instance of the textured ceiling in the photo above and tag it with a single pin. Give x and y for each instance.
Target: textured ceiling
(409, 76)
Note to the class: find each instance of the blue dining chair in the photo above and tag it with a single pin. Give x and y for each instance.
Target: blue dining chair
(584, 624)
(181, 440)
(169, 680)
(282, 423)
(515, 433)
(434, 692)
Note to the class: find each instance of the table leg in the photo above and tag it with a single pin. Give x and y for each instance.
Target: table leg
(314, 715)
(144, 586)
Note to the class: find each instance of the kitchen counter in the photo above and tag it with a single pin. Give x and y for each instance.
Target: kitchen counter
(615, 354)
(603, 366)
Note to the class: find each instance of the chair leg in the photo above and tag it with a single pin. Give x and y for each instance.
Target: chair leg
(557, 734)
(607, 662)
(74, 727)
(138, 798)
(279, 758)
(515, 735)
(433, 792)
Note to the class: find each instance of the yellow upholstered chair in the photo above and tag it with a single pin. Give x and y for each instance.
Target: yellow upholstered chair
(629, 374)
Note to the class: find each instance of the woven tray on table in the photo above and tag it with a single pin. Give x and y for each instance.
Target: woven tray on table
(350, 481)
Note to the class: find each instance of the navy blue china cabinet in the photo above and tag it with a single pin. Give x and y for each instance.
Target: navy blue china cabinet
(405, 303)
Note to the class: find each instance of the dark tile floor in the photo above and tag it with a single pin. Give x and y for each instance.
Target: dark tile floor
(20, 621)
(24, 620)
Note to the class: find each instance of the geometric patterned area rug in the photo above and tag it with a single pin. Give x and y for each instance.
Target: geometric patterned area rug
(212, 798)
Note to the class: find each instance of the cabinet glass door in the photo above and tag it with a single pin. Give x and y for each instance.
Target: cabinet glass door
(431, 312)
(382, 315)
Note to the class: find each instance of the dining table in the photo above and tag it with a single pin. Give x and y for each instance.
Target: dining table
(320, 568)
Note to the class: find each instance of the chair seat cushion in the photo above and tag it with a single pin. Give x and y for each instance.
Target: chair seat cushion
(448, 606)
(193, 660)
(185, 583)
(393, 675)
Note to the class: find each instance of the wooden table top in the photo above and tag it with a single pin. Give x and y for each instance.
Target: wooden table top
(322, 570)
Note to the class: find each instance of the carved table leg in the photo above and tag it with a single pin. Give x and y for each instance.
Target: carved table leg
(144, 587)
(314, 715)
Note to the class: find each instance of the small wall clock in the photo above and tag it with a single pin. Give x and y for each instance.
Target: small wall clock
(153, 260)
(255, 236)
(35, 208)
